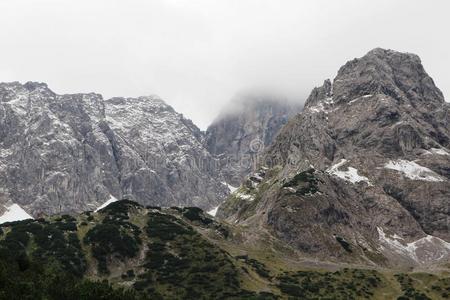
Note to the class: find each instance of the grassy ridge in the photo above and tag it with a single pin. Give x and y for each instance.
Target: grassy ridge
(126, 251)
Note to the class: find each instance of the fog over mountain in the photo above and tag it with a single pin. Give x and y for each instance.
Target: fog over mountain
(197, 54)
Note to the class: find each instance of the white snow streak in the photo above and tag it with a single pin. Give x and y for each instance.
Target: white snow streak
(413, 171)
(438, 151)
(111, 200)
(359, 98)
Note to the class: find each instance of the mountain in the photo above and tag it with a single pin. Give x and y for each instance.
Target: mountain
(71, 153)
(347, 200)
(363, 173)
(127, 251)
(245, 127)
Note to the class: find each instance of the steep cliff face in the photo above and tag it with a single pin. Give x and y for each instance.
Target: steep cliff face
(169, 149)
(67, 153)
(363, 172)
(244, 129)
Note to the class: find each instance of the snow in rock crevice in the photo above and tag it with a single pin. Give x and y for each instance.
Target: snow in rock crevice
(231, 188)
(437, 151)
(359, 98)
(412, 170)
(110, 200)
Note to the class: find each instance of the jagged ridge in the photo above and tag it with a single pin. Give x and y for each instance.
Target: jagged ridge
(377, 140)
(69, 153)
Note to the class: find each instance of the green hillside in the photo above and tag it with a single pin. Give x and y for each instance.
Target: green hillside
(126, 251)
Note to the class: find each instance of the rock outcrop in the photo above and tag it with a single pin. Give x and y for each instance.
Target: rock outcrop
(363, 173)
(69, 153)
(246, 127)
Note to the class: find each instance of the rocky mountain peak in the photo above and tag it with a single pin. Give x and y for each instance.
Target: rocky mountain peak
(31, 86)
(151, 102)
(244, 128)
(319, 94)
(358, 162)
(155, 105)
(15, 90)
(398, 75)
(395, 74)
(73, 152)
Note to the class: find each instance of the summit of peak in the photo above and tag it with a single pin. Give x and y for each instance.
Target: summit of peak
(388, 53)
(400, 76)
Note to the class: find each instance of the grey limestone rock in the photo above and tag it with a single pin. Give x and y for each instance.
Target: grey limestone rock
(246, 127)
(70, 153)
(376, 144)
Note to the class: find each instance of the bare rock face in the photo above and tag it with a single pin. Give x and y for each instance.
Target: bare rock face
(363, 173)
(69, 153)
(171, 148)
(241, 133)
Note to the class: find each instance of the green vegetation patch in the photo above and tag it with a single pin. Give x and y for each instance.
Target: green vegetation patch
(166, 227)
(119, 240)
(344, 284)
(40, 281)
(120, 209)
(408, 289)
(256, 265)
(181, 264)
(44, 259)
(442, 287)
(114, 236)
(196, 214)
(45, 242)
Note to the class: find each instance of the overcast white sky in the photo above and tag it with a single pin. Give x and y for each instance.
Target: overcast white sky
(197, 54)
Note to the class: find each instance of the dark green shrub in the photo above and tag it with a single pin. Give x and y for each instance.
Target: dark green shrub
(120, 208)
(111, 239)
(165, 227)
(196, 214)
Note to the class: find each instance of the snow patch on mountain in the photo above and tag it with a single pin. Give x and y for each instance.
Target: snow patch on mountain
(359, 98)
(351, 175)
(14, 213)
(317, 108)
(244, 196)
(413, 170)
(230, 187)
(425, 249)
(437, 151)
(213, 211)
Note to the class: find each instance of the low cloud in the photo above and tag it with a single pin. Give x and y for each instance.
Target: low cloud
(197, 54)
